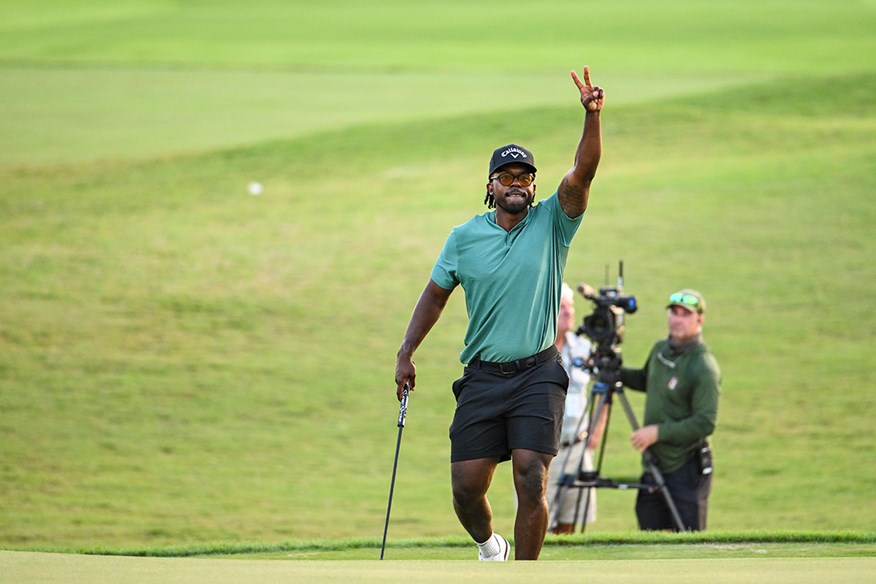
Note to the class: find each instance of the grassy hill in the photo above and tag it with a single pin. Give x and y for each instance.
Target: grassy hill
(183, 362)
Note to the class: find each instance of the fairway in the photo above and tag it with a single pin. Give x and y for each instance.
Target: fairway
(148, 104)
(190, 368)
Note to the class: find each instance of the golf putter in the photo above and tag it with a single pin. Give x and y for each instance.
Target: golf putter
(402, 414)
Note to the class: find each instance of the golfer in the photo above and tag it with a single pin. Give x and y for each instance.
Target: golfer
(510, 398)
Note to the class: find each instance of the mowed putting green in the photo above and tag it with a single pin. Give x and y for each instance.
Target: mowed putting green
(77, 569)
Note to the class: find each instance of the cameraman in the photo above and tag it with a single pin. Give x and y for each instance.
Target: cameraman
(682, 381)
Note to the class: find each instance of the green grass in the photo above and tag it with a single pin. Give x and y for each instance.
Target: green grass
(150, 79)
(62, 568)
(344, 35)
(772, 558)
(636, 545)
(182, 363)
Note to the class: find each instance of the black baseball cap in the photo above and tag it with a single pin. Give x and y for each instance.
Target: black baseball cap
(512, 153)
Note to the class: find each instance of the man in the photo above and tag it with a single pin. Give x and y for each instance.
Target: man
(682, 381)
(572, 455)
(510, 398)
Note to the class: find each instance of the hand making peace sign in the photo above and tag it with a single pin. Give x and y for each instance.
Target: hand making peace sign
(592, 98)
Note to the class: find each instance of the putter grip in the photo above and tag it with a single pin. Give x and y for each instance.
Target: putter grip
(403, 406)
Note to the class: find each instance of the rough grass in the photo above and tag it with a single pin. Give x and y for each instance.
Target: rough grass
(164, 330)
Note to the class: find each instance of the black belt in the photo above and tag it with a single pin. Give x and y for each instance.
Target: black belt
(518, 365)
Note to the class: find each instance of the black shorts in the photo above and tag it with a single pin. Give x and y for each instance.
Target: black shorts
(690, 491)
(497, 413)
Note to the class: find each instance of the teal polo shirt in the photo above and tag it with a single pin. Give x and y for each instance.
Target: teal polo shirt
(512, 280)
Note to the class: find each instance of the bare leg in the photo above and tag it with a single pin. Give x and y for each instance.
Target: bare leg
(530, 480)
(470, 480)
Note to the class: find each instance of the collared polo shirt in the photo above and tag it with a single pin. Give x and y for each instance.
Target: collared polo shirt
(512, 280)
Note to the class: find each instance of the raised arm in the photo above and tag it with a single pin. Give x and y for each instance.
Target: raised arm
(426, 313)
(574, 190)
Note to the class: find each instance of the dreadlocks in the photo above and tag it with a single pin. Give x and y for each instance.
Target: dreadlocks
(489, 200)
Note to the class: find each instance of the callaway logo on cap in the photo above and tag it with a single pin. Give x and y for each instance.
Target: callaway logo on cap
(514, 152)
(510, 154)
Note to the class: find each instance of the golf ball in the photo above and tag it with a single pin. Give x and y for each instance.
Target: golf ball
(255, 188)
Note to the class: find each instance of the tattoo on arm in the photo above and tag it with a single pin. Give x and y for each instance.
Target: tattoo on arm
(573, 199)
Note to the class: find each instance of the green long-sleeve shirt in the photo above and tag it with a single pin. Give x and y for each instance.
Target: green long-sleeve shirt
(682, 399)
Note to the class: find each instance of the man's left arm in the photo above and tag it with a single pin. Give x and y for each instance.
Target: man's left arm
(574, 189)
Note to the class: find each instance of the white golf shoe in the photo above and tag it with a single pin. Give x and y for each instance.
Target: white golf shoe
(501, 555)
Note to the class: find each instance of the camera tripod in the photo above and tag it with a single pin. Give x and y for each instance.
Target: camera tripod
(603, 391)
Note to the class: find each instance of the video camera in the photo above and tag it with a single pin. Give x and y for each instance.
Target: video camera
(605, 325)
